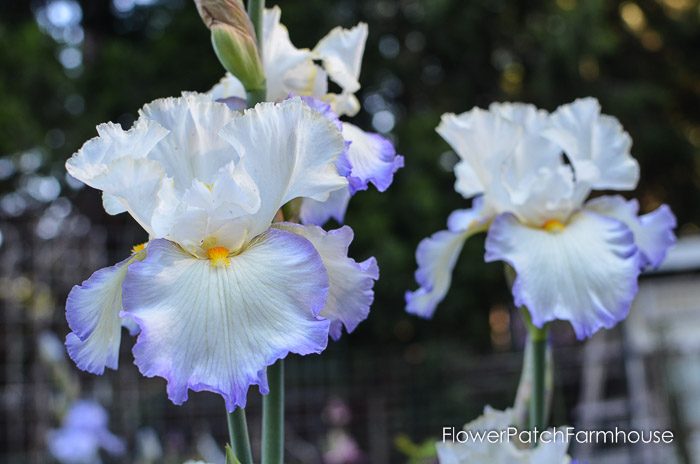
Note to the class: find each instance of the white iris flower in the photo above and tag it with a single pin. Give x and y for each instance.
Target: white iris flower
(222, 289)
(530, 173)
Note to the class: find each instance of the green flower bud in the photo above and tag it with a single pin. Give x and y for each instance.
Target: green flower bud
(233, 38)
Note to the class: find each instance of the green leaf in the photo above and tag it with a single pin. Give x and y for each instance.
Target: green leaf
(230, 458)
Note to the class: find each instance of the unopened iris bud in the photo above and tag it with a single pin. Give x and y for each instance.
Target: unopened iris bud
(233, 38)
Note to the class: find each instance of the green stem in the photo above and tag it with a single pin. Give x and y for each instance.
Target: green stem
(256, 10)
(238, 434)
(273, 416)
(538, 406)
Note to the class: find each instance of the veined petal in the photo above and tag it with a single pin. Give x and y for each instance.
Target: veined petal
(373, 158)
(290, 151)
(653, 232)
(596, 144)
(350, 283)
(92, 312)
(437, 256)
(320, 212)
(216, 328)
(585, 273)
(341, 51)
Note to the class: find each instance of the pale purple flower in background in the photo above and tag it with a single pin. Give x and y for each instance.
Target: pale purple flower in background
(505, 451)
(83, 434)
(221, 290)
(530, 173)
(370, 158)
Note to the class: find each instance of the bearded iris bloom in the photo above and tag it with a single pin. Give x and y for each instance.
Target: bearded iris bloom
(502, 451)
(371, 158)
(222, 289)
(529, 174)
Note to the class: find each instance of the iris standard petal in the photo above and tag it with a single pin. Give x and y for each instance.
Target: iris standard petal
(92, 312)
(302, 146)
(596, 144)
(483, 141)
(351, 283)
(653, 232)
(372, 157)
(192, 149)
(341, 51)
(437, 256)
(280, 56)
(208, 327)
(92, 161)
(586, 273)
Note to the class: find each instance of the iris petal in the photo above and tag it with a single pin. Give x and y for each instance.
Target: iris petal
(653, 232)
(92, 311)
(216, 328)
(586, 273)
(350, 293)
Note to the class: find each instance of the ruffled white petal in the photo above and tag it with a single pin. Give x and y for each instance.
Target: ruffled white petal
(192, 150)
(290, 151)
(216, 328)
(653, 232)
(596, 144)
(92, 311)
(585, 274)
(350, 283)
(92, 161)
(341, 51)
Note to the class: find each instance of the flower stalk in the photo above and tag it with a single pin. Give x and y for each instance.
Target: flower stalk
(273, 416)
(238, 435)
(537, 338)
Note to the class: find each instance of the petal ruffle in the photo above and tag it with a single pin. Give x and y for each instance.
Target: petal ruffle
(653, 232)
(92, 311)
(350, 292)
(341, 51)
(437, 256)
(373, 159)
(585, 274)
(302, 146)
(209, 328)
(596, 144)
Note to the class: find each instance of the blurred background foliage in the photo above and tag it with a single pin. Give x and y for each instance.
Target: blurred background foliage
(67, 65)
